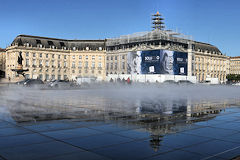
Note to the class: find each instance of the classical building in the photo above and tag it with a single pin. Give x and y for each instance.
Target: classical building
(203, 60)
(235, 65)
(158, 51)
(210, 62)
(2, 62)
(51, 58)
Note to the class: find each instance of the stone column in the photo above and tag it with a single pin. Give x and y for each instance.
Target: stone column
(190, 55)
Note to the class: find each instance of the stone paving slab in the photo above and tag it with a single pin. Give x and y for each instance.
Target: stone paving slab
(21, 140)
(177, 154)
(97, 141)
(211, 148)
(132, 150)
(71, 133)
(217, 138)
(79, 156)
(38, 151)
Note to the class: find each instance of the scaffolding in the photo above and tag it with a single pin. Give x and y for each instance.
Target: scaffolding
(155, 35)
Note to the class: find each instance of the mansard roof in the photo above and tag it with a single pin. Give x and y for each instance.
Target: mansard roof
(2, 50)
(47, 42)
(206, 47)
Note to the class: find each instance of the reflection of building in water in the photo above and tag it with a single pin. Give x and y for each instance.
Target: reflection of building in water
(155, 142)
(155, 120)
(165, 106)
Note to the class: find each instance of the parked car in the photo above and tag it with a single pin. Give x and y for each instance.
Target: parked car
(169, 82)
(33, 82)
(22, 82)
(185, 82)
(60, 84)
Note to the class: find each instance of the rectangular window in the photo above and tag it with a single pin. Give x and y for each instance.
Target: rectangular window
(40, 63)
(79, 64)
(73, 57)
(34, 63)
(40, 76)
(27, 54)
(59, 56)
(27, 62)
(52, 55)
(115, 57)
(123, 65)
(27, 76)
(34, 54)
(65, 57)
(59, 77)
(80, 57)
(111, 57)
(65, 77)
(65, 64)
(73, 64)
(123, 56)
(53, 77)
(40, 55)
(99, 64)
(107, 57)
(86, 57)
(115, 67)
(47, 63)
(53, 63)
(59, 64)
(107, 66)
(47, 77)
(93, 57)
(111, 66)
(46, 55)
(86, 64)
(93, 64)
(99, 57)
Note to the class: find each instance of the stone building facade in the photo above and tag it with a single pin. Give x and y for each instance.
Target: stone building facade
(204, 60)
(2, 62)
(50, 58)
(210, 62)
(235, 65)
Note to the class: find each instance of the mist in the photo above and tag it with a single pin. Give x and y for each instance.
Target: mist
(27, 104)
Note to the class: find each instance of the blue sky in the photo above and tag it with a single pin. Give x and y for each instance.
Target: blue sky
(210, 21)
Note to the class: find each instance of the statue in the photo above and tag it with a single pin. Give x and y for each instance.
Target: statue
(19, 68)
(20, 59)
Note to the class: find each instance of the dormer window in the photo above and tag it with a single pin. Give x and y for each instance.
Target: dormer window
(50, 43)
(74, 48)
(87, 48)
(100, 48)
(38, 41)
(62, 44)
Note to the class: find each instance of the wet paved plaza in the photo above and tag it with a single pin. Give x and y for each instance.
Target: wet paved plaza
(35, 132)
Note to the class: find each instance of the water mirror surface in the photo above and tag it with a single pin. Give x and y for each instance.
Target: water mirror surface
(121, 122)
